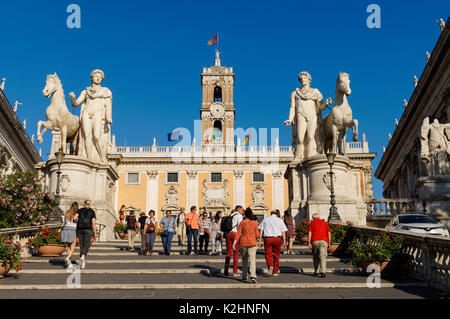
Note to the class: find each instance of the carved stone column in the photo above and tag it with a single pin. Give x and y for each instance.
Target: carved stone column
(278, 190)
(152, 191)
(192, 189)
(239, 188)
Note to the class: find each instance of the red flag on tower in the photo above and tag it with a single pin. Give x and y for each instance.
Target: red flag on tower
(214, 40)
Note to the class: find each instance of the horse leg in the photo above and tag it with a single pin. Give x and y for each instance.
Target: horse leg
(64, 138)
(46, 126)
(355, 130)
(334, 138)
(341, 143)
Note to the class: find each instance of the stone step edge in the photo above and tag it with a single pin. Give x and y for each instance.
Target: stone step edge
(169, 271)
(134, 253)
(149, 259)
(211, 286)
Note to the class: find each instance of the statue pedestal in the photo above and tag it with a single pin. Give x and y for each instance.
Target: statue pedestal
(309, 191)
(434, 191)
(83, 179)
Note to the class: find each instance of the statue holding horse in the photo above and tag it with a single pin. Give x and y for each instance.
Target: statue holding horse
(339, 120)
(58, 116)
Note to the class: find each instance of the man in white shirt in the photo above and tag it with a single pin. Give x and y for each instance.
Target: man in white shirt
(273, 229)
(236, 219)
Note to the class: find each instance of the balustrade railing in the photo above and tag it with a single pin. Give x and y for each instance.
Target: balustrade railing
(429, 256)
(210, 149)
(386, 207)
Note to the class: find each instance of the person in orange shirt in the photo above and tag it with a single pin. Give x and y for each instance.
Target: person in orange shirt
(192, 226)
(246, 237)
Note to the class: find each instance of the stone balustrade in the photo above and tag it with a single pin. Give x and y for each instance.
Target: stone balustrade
(429, 255)
(168, 151)
(214, 149)
(386, 208)
(357, 147)
(23, 234)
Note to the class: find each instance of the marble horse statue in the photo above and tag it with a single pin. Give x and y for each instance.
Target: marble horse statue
(339, 120)
(58, 116)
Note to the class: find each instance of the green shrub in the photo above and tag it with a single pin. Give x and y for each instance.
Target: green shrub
(380, 248)
(46, 236)
(22, 200)
(119, 228)
(10, 253)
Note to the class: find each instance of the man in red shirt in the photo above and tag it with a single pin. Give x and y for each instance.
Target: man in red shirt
(319, 239)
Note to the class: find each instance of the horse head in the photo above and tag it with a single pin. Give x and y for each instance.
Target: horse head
(52, 84)
(343, 83)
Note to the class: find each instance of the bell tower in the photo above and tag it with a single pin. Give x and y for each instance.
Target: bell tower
(217, 111)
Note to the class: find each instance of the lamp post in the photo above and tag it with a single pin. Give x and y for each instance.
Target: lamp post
(333, 217)
(55, 215)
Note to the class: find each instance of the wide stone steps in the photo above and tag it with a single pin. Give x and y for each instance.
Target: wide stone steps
(111, 267)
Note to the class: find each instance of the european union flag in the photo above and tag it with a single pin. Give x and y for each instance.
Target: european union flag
(174, 136)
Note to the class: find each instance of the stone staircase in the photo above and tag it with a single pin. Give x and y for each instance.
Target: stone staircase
(114, 272)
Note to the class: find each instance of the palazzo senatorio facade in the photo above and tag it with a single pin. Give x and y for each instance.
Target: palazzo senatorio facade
(218, 172)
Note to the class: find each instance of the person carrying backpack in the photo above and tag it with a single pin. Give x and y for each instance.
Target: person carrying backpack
(150, 229)
(141, 226)
(85, 228)
(131, 228)
(230, 225)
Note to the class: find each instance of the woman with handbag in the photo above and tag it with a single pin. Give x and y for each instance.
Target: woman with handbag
(168, 229)
(151, 226)
(68, 235)
(246, 236)
(290, 225)
(216, 235)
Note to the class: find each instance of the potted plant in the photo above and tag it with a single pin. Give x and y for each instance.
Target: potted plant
(301, 231)
(10, 256)
(379, 250)
(47, 242)
(338, 233)
(120, 229)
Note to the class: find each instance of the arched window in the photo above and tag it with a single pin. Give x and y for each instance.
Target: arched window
(217, 129)
(217, 94)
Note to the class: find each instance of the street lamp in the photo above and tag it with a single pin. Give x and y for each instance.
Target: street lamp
(55, 215)
(333, 217)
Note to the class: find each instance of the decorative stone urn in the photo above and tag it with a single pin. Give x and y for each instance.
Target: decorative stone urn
(123, 235)
(304, 240)
(4, 269)
(50, 250)
(332, 249)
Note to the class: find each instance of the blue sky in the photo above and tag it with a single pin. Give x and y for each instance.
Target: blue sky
(152, 53)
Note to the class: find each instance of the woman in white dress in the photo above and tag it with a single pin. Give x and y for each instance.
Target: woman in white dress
(69, 232)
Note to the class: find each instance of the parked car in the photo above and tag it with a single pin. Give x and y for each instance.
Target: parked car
(417, 223)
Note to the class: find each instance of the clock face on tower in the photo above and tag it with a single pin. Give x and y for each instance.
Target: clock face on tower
(217, 110)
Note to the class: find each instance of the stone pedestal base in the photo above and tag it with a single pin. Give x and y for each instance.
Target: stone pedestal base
(434, 192)
(83, 179)
(309, 189)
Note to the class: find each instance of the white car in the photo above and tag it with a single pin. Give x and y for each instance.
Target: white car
(419, 224)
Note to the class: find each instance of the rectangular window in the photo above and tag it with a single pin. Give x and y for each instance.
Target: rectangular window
(133, 178)
(216, 177)
(258, 177)
(172, 177)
